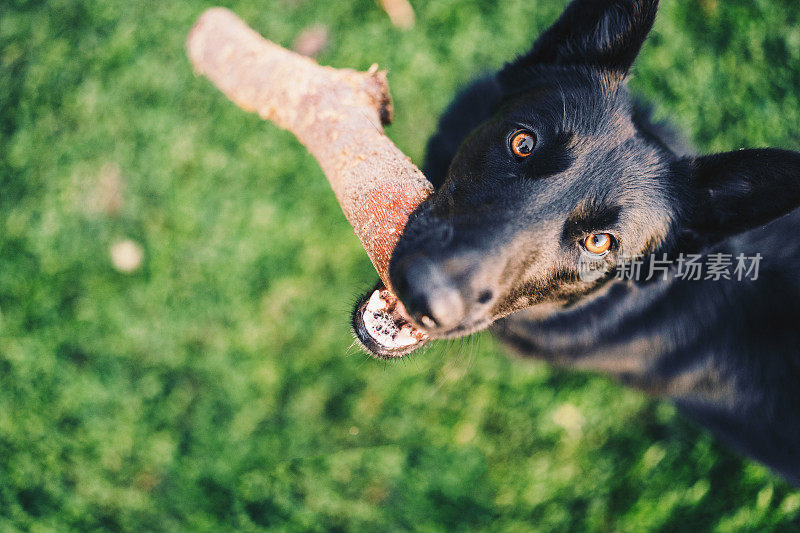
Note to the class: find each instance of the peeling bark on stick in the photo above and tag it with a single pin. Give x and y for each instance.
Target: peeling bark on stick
(338, 114)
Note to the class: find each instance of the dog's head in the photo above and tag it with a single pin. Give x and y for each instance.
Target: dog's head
(543, 200)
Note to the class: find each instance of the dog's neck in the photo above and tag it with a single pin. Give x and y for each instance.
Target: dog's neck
(629, 330)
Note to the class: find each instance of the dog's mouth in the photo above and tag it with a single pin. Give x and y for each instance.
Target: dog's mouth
(383, 328)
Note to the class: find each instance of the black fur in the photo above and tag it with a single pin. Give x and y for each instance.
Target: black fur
(505, 235)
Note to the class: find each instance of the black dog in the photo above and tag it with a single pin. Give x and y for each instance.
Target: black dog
(552, 190)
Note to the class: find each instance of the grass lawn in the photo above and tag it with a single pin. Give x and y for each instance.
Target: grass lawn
(213, 389)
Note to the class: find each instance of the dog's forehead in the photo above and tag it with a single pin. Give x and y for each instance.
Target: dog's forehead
(571, 83)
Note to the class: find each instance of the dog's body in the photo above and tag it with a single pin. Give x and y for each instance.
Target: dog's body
(727, 352)
(601, 178)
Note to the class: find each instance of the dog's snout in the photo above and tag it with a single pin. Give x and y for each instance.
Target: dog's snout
(430, 297)
(445, 307)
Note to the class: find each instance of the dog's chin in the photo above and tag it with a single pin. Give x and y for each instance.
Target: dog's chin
(383, 328)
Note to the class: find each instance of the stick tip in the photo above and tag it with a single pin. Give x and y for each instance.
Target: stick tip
(209, 17)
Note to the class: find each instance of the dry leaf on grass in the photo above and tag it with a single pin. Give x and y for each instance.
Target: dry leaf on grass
(400, 13)
(312, 40)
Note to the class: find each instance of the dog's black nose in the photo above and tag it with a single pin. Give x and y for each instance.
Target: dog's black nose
(429, 296)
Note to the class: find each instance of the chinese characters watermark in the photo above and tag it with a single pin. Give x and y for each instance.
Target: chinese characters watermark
(688, 267)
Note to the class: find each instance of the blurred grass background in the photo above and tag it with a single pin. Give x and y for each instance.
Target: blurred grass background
(212, 388)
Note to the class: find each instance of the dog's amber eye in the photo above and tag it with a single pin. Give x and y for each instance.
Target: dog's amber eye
(522, 143)
(598, 243)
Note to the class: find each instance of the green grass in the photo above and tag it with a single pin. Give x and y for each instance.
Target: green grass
(213, 389)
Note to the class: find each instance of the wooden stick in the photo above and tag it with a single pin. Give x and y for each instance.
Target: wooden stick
(338, 114)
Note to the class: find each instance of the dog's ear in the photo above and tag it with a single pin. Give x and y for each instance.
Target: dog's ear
(737, 191)
(606, 34)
